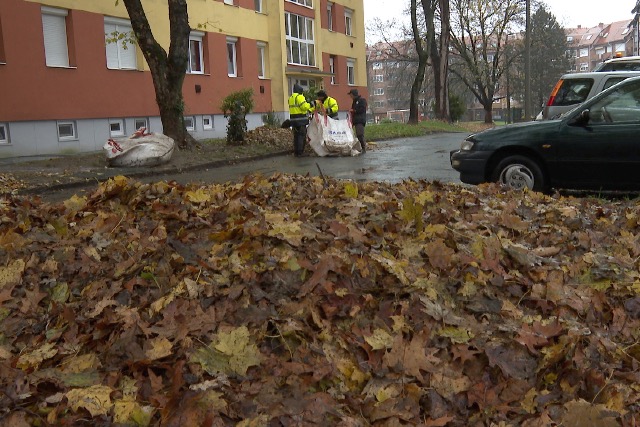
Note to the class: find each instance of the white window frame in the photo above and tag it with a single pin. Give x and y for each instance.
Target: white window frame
(330, 16)
(584, 66)
(192, 126)
(232, 57)
(307, 3)
(583, 52)
(351, 72)
(378, 91)
(300, 46)
(54, 31)
(258, 5)
(195, 42)
(116, 127)
(332, 68)
(348, 22)
(141, 122)
(262, 63)
(378, 78)
(4, 133)
(229, 2)
(119, 58)
(74, 130)
(377, 66)
(205, 125)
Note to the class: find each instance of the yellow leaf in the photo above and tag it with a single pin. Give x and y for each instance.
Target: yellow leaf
(581, 413)
(33, 359)
(425, 197)
(198, 196)
(82, 363)
(456, 335)
(380, 339)
(95, 399)
(12, 273)
(529, 401)
(351, 190)
(75, 203)
(412, 211)
(159, 348)
(231, 352)
(282, 226)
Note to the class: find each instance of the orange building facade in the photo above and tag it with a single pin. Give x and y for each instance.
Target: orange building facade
(65, 87)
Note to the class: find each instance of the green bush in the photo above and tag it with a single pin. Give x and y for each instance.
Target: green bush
(457, 107)
(235, 107)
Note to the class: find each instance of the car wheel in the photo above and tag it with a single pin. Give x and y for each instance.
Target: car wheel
(519, 172)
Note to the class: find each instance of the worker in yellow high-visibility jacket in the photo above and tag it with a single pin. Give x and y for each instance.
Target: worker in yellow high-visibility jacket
(298, 114)
(326, 104)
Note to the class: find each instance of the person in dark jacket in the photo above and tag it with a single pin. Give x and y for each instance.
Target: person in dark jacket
(359, 116)
(326, 104)
(298, 110)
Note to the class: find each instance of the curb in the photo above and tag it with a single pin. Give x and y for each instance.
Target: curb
(146, 174)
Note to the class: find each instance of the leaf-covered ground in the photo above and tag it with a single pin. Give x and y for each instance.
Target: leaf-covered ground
(291, 301)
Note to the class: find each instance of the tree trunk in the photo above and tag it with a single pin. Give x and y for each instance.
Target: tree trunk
(423, 56)
(167, 71)
(488, 114)
(440, 63)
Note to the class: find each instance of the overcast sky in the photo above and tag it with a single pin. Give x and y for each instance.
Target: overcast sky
(569, 13)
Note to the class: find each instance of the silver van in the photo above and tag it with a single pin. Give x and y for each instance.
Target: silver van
(575, 88)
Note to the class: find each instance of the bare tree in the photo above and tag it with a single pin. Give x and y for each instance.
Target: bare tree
(478, 32)
(439, 53)
(423, 56)
(167, 70)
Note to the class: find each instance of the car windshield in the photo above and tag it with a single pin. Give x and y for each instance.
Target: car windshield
(572, 91)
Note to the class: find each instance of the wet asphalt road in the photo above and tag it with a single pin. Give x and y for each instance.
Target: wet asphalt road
(393, 161)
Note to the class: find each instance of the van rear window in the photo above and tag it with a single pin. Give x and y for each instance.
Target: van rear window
(573, 91)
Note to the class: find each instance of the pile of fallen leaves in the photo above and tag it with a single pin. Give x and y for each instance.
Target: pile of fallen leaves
(270, 136)
(295, 301)
(9, 183)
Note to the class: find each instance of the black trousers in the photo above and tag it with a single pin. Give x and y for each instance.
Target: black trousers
(299, 139)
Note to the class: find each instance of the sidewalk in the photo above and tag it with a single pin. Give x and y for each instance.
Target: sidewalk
(50, 173)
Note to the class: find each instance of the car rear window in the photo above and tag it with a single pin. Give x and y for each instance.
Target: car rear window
(572, 91)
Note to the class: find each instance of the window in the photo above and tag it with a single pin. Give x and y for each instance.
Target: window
(330, 16)
(332, 68)
(141, 123)
(378, 78)
(584, 66)
(377, 65)
(569, 39)
(228, 2)
(232, 65)
(190, 123)
(300, 40)
(378, 91)
(258, 5)
(308, 3)
(195, 53)
(207, 122)
(351, 72)
(121, 51)
(378, 104)
(262, 47)
(348, 22)
(584, 52)
(4, 133)
(116, 127)
(67, 131)
(54, 30)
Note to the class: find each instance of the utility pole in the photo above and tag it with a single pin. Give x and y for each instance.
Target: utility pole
(527, 64)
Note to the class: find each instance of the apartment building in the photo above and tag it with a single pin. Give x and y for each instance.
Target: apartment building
(588, 47)
(64, 87)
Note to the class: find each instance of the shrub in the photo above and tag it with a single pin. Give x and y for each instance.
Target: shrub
(235, 107)
(272, 119)
(457, 107)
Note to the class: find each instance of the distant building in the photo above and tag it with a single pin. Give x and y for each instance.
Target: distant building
(587, 47)
(64, 88)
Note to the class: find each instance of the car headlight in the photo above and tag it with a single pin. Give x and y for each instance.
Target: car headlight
(466, 145)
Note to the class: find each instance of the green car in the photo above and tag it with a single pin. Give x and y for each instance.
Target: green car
(595, 146)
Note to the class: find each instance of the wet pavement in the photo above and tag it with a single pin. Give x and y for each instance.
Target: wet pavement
(393, 161)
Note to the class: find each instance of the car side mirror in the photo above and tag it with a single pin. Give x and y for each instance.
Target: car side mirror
(583, 118)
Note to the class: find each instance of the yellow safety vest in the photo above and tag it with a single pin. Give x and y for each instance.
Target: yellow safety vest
(298, 105)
